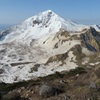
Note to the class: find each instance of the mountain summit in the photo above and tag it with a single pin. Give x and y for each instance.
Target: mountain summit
(46, 22)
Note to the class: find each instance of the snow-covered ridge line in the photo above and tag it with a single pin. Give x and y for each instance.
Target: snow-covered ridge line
(37, 26)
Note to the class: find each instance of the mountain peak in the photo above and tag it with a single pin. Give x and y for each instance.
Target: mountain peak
(53, 19)
(37, 26)
(48, 11)
(43, 16)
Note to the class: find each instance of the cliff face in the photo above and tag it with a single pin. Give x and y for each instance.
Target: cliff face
(91, 39)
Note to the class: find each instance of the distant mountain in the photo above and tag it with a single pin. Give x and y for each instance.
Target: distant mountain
(4, 26)
(44, 44)
(1, 27)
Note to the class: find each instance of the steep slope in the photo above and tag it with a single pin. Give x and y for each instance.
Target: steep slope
(96, 27)
(91, 38)
(44, 44)
(45, 56)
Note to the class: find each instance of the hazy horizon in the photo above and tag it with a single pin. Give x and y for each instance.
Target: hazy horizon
(80, 11)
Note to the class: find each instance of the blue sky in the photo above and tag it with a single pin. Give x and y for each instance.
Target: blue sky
(80, 11)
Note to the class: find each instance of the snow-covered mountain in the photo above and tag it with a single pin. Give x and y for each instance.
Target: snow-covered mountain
(44, 44)
(42, 24)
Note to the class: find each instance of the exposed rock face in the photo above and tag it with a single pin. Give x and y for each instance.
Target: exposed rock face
(59, 57)
(91, 38)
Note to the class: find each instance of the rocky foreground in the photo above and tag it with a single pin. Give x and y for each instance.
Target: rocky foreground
(78, 84)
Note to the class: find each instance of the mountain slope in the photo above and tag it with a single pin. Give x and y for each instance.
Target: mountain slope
(44, 44)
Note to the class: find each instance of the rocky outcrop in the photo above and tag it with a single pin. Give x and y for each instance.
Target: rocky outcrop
(91, 39)
(59, 57)
(48, 91)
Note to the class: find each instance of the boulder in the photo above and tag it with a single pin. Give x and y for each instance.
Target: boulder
(46, 91)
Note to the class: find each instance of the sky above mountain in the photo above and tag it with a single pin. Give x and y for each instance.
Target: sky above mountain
(80, 11)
